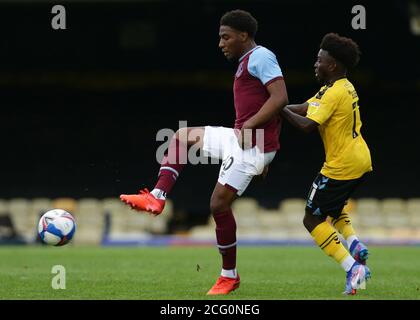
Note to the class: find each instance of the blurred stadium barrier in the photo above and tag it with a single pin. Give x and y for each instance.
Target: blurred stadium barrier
(109, 222)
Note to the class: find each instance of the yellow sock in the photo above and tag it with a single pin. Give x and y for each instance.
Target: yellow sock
(327, 239)
(343, 225)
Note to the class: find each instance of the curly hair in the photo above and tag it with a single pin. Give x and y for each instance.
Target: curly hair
(240, 20)
(343, 49)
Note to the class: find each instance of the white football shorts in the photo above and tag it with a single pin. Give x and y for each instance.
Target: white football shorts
(239, 166)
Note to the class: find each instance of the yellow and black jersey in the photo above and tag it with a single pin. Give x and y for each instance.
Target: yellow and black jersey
(336, 109)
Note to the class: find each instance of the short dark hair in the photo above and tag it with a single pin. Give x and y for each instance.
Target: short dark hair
(343, 49)
(240, 20)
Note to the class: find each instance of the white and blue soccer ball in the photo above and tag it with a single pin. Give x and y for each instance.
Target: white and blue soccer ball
(56, 227)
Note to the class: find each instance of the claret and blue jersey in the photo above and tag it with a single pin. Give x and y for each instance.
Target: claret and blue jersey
(256, 70)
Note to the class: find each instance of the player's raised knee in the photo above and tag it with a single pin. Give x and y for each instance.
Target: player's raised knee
(190, 135)
(182, 134)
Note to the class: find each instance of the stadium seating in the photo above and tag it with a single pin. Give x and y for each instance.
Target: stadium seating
(370, 219)
(159, 224)
(19, 211)
(4, 210)
(395, 213)
(246, 212)
(90, 221)
(116, 212)
(7, 232)
(68, 204)
(273, 223)
(37, 207)
(294, 210)
(127, 223)
(413, 210)
(204, 231)
(378, 219)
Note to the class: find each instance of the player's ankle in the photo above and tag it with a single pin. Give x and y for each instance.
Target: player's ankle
(158, 194)
(229, 273)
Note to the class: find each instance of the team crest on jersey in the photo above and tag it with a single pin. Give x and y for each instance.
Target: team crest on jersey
(240, 70)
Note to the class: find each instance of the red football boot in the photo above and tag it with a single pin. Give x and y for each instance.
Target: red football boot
(224, 285)
(144, 201)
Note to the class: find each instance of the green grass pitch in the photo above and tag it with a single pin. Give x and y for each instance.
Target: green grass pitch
(279, 272)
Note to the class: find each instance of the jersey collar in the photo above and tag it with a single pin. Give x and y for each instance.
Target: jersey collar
(241, 58)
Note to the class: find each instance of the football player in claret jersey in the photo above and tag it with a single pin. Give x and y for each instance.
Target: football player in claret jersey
(259, 95)
(334, 110)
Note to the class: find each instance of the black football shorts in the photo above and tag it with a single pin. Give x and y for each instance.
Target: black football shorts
(327, 197)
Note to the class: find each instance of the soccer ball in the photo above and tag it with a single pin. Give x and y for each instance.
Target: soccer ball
(56, 227)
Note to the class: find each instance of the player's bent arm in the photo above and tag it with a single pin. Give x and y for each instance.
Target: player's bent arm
(301, 122)
(300, 109)
(278, 100)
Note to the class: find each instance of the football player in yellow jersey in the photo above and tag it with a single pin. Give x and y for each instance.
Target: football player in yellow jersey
(334, 110)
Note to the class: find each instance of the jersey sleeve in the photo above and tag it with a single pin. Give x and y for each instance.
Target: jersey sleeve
(320, 110)
(263, 65)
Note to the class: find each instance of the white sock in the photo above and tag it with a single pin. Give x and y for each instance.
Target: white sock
(229, 273)
(348, 263)
(350, 240)
(159, 194)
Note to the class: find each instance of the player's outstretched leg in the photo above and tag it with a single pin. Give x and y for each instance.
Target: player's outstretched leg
(220, 206)
(171, 166)
(357, 249)
(327, 239)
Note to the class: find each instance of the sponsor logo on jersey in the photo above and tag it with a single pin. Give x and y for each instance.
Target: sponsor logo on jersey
(313, 108)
